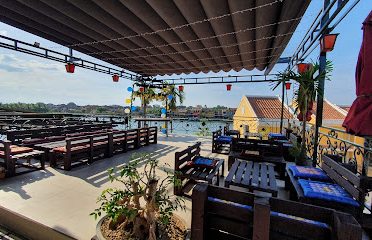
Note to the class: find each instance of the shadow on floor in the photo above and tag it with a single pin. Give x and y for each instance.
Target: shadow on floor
(16, 184)
(96, 173)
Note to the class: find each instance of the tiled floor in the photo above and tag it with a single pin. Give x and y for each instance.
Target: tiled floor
(63, 200)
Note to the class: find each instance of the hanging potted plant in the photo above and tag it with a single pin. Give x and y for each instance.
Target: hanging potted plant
(305, 95)
(142, 208)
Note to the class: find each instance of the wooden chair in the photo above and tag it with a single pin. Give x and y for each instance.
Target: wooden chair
(193, 174)
(219, 146)
(221, 213)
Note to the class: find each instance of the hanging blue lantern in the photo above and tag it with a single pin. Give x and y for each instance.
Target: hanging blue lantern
(134, 108)
(130, 89)
(164, 131)
(163, 111)
(170, 97)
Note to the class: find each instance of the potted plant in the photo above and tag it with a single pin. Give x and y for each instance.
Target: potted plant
(142, 208)
(305, 96)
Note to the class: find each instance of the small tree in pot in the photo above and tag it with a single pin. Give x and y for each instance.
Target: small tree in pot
(305, 95)
(143, 203)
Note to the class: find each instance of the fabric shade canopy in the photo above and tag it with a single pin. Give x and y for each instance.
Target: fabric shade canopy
(359, 118)
(154, 37)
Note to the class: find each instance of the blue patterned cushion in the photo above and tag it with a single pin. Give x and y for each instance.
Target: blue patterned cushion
(224, 139)
(326, 191)
(272, 213)
(205, 162)
(308, 172)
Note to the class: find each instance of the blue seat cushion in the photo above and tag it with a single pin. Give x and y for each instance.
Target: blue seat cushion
(272, 213)
(309, 173)
(277, 136)
(224, 139)
(326, 191)
(202, 162)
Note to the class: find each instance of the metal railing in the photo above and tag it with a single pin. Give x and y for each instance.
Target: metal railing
(352, 150)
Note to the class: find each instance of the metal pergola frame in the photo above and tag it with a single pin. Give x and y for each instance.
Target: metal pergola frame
(325, 21)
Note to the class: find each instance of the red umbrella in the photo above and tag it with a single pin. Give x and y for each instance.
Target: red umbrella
(359, 119)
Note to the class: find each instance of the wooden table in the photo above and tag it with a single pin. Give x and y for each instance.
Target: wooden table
(258, 176)
(278, 161)
(48, 147)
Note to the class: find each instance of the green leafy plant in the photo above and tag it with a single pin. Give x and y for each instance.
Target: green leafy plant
(305, 94)
(143, 199)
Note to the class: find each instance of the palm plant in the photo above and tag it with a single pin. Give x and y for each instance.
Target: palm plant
(305, 94)
(147, 96)
(177, 95)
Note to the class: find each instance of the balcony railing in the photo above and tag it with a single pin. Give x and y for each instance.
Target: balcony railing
(351, 149)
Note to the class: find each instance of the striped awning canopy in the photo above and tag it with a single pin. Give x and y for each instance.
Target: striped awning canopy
(152, 37)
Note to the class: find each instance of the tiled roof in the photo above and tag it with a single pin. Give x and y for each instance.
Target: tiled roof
(268, 107)
(330, 112)
(346, 108)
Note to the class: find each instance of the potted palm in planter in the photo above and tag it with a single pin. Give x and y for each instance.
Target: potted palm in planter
(142, 208)
(305, 96)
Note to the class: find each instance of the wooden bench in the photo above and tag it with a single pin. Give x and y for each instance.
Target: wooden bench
(14, 157)
(221, 213)
(219, 146)
(354, 184)
(77, 150)
(193, 174)
(258, 151)
(86, 149)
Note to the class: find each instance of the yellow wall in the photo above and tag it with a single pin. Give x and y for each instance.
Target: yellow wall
(244, 115)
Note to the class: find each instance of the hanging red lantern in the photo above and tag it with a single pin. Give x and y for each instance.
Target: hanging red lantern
(115, 78)
(288, 85)
(302, 67)
(70, 67)
(142, 89)
(228, 87)
(180, 88)
(327, 42)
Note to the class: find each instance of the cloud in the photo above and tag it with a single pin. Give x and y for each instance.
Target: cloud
(11, 63)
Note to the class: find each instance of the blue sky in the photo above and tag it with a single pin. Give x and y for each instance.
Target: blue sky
(30, 79)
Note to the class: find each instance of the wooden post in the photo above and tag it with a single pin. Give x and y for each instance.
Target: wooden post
(156, 135)
(67, 159)
(199, 200)
(9, 161)
(110, 140)
(261, 219)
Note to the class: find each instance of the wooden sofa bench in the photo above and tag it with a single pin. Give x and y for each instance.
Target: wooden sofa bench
(13, 157)
(192, 174)
(221, 213)
(352, 183)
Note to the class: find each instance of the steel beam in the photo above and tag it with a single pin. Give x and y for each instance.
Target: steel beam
(36, 50)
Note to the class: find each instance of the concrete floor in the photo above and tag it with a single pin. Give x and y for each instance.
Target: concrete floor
(63, 200)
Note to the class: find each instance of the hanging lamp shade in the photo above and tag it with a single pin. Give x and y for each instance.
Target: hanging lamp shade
(70, 67)
(142, 89)
(115, 78)
(327, 42)
(288, 85)
(302, 67)
(180, 88)
(228, 87)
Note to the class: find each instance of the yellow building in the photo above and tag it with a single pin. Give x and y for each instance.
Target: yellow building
(260, 114)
